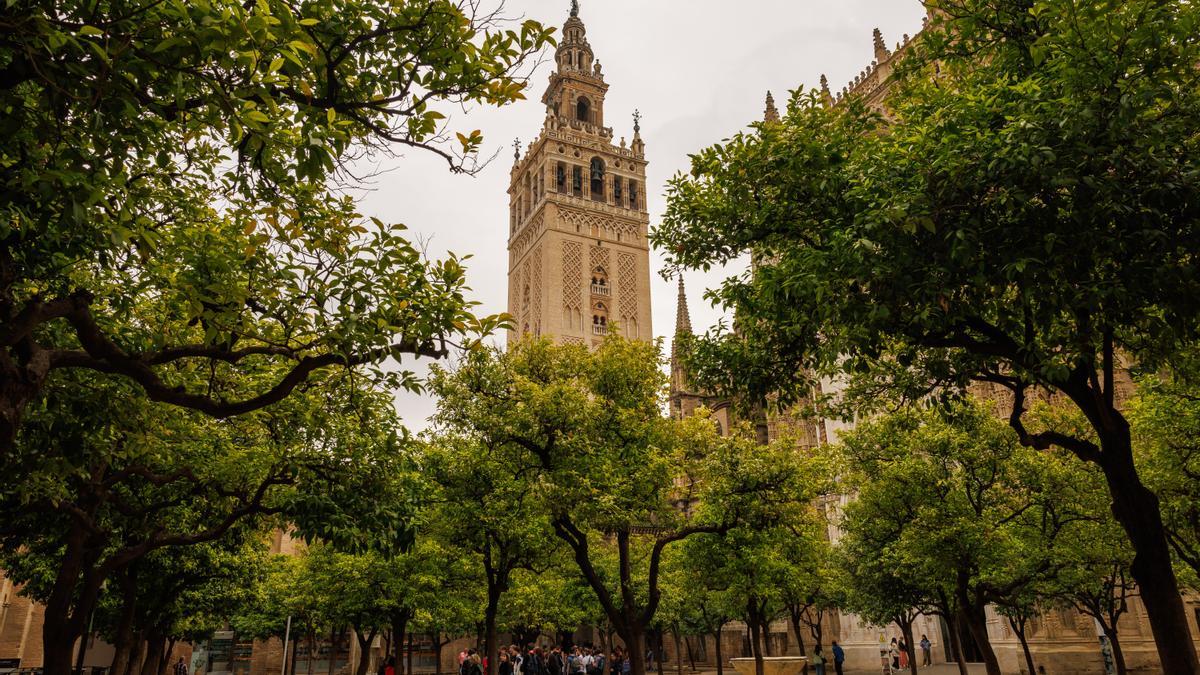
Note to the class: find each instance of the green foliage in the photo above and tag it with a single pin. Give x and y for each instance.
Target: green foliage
(1165, 414)
(172, 189)
(1024, 212)
(952, 514)
(1022, 207)
(618, 482)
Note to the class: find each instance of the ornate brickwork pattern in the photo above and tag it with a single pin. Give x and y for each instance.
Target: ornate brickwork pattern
(572, 278)
(535, 323)
(604, 225)
(524, 297)
(573, 341)
(627, 280)
(598, 257)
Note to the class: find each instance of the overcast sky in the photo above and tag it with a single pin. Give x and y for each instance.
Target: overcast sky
(698, 70)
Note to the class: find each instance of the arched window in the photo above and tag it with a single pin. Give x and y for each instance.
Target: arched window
(560, 178)
(633, 194)
(618, 194)
(583, 110)
(597, 179)
(577, 181)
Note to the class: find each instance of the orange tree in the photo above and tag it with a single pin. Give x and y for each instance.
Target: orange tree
(1026, 215)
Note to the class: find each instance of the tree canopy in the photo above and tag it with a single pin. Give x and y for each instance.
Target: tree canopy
(1023, 213)
(172, 194)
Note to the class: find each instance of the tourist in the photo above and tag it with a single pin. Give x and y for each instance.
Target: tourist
(926, 651)
(389, 668)
(597, 667)
(839, 658)
(618, 662)
(903, 647)
(555, 662)
(506, 665)
(474, 664)
(181, 667)
(818, 660)
(532, 664)
(894, 652)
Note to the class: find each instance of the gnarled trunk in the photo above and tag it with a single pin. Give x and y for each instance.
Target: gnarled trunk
(1018, 628)
(976, 620)
(1136, 508)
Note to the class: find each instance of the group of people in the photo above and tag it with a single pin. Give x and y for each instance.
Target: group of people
(898, 651)
(587, 661)
(538, 661)
(818, 660)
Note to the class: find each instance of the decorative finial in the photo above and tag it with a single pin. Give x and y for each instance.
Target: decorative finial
(881, 50)
(574, 7)
(637, 121)
(826, 95)
(516, 150)
(771, 114)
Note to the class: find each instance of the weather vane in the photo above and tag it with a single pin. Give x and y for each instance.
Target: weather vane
(574, 7)
(516, 149)
(637, 120)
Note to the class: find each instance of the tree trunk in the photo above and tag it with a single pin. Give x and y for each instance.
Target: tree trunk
(489, 629)
(766, 634)
(1018, 628)
(333, 645)
(1118, 654)
(977, 624)
(312, 651)
(154, 655)
(1137, 509)
(678, 651)
(691, 654)
(906, 630)
(635, 643)
(720, 660)
(364, 646)
(954, 626)
(123, 639)
(399, 629)
(72, 599)
(409, 667)
(755, 627)
(660, 651)
(137, 653)
(438, 645)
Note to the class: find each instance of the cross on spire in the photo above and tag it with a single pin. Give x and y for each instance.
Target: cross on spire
(637, 120)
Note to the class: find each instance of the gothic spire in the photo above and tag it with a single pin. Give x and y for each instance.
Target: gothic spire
(826, 95)
(771, 114)
(683, 318)
(881, 50)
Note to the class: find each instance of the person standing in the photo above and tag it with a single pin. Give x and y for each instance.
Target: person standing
(818, 660)
(555, 661)
(181, 667)
(894, 653)
(839, 658)
(903, 647)
(926, 651)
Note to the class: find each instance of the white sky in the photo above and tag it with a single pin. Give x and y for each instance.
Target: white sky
(698, 70)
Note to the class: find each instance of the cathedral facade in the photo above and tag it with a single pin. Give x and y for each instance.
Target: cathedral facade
(579, 259)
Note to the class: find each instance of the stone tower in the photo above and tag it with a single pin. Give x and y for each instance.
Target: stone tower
(578, 257)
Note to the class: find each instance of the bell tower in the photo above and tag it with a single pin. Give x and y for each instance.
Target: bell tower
(579, 259)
